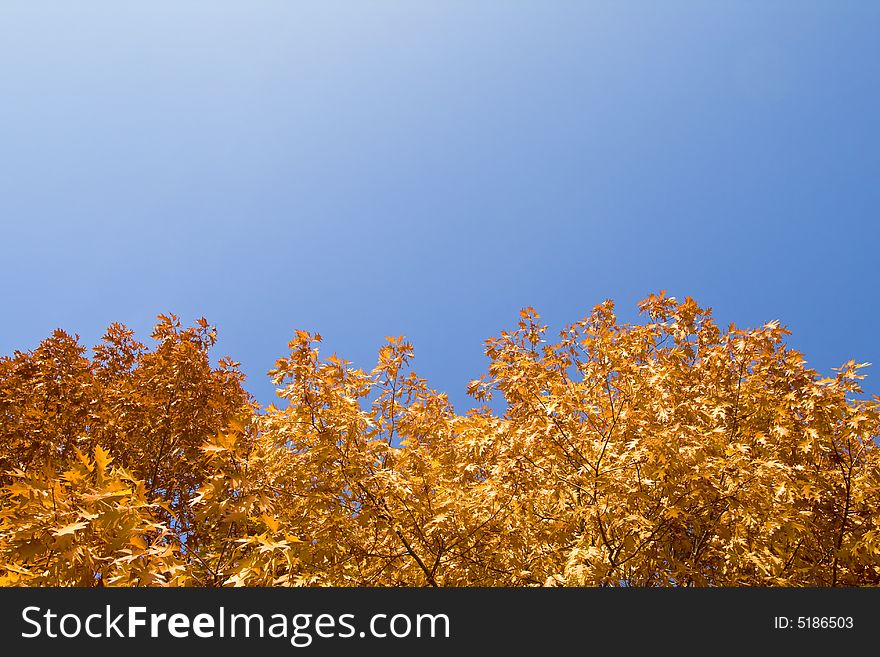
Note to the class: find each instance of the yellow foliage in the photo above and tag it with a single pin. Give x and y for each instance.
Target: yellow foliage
(664, 453)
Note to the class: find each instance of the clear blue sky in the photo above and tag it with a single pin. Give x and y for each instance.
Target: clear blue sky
(427, 168)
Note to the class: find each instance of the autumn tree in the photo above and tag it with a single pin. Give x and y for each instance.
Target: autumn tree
(668, 452)
(674, 453)
(361, 479)
(147, 411)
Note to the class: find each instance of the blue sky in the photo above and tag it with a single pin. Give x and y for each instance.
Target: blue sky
(428, 168)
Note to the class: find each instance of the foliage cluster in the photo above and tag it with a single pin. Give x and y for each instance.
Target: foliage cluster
(664, 453)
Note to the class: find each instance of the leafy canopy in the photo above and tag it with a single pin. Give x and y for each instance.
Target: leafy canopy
(664, 453)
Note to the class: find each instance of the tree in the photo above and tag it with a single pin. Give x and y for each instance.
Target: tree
(662, 453)
(147, 411)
